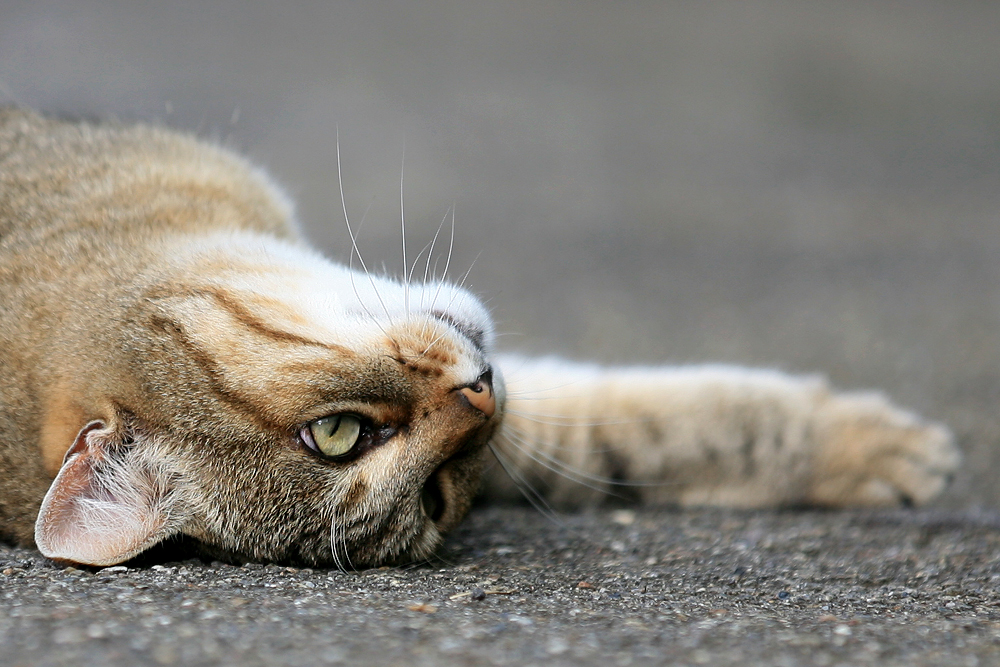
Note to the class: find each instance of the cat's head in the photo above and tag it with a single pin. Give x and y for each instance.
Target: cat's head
(275, 407)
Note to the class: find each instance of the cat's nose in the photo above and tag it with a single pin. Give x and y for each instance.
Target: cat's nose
(479, 394)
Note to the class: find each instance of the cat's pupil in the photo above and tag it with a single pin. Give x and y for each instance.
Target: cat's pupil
(327, 426)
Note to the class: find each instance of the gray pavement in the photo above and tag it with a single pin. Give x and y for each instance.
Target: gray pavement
(614, 587)
(809, 185)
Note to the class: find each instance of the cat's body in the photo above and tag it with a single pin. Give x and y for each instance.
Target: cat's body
(179, 361)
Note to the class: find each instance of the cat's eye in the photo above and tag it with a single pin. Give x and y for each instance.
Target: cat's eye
(332, 436)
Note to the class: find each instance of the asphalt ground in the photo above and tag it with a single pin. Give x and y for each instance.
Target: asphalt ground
(616, 587)
(813, 186)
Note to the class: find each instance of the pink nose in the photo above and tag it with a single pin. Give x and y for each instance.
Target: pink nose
(480, 396)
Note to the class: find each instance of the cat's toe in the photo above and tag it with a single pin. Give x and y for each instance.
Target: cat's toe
(875, 454)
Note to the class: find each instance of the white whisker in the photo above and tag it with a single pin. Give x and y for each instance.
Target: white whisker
(570, 420)
(465, 277)
(451, 301)
(354, 242)
(416, 260)
(402, 227)
(562, 469)
(427, 266)
(333, 542)
(413, 267)
(461, 284)
(447, 263)
(532, 495)
(527, 438)
(431, 253)
(354, 285)
(569, 471)
(529, 396)
(431, 344)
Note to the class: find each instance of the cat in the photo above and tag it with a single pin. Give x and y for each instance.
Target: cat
(176, 361)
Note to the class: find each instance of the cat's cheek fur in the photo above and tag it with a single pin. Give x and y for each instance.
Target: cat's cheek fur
(108, 503)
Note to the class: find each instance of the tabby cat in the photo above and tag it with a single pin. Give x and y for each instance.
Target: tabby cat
(176, 361)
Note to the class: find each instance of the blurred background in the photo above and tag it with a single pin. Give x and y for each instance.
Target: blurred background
(808, 185)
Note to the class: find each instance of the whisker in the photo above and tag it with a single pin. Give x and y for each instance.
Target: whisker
(451, 301)
(527, 438)
(544, 393)
(347, 553)
(412, 565)
(333, 542)
(529, 396)
(354, 285)
(461, 283)
(354, 242)
(564, 469)
(447, 263)
(431, 253)
(431, 344)
(570, 472)
(541, 392)
(532, 495)
(519, 374)
(570, 420)
(435, 556)
(427, 266)
(402, 226)
(413, 267)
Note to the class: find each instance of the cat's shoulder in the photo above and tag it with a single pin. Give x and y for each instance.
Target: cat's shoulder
(55, 169)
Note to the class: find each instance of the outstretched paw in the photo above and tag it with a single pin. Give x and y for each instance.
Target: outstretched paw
(875, 454)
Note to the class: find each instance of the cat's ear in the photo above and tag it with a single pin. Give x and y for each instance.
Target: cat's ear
(106, 505)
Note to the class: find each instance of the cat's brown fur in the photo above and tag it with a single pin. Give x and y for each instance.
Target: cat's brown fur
(165, 336)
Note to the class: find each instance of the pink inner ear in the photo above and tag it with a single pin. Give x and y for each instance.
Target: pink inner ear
(95, 514)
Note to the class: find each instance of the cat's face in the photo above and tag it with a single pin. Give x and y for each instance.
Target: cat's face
(278, 407)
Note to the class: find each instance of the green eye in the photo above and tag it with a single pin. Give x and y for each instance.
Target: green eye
(335, 435)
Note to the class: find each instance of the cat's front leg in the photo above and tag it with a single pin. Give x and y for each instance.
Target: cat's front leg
(713, 435)
(870, 452)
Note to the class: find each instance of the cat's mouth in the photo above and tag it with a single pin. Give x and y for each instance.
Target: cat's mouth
(447, 492)
(432, 499)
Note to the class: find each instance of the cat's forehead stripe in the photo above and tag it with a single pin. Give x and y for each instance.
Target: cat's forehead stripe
(325, 301)
(476, 335)
(233, 305)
